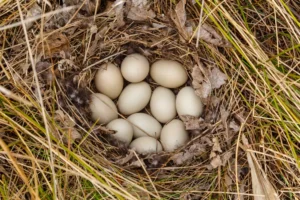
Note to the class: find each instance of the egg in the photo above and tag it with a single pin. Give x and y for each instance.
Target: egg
(188, 103)
(168, 73)
(134, 98)
(173, 135)
(109, 80)
(135, 68)
(146, 145)
(103, 108)
(162, 104)
(144, 125)
(123, 129)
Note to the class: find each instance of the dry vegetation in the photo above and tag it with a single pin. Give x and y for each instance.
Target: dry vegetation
(245, 147)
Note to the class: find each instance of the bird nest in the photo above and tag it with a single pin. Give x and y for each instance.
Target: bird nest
(65, 50)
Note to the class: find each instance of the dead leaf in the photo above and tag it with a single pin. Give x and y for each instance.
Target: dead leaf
(262, 188)
(55, 43)
(71, 134)
(35, 10)
(216, 162)
(234, 126)
(207, 33)
(217, 78)
(140, 10)
(191, 122)
(118, 10)
(206, 79)
(179, 18)
(210, 35)
(183, 157)
(137, 164)
(126, 159)
(228, 180)
(216, 146)
(225, 157)
(44, 71)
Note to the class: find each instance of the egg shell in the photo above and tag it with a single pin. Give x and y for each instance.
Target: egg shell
(168, 73)
(109, 80)
(134, 98)
(103, 108)
(135, 68)
(144, 125)
(124, 130)
(173, 135)
(146, 145)
(188, 103)
(162, 104)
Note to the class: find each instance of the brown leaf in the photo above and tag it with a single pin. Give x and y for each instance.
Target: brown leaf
(234, 126)
(216, 146)
(228, 180)
(217, 78)
(119, 13)
(140, 10)
(216, 162)
(183, 157)
(137, 164)
(209, 35)
(205, 80)
(54, 44)
(44, 71)
(126, 159)
(71, 134)
(191, 122)
(260, 183)
(225, 157)
(179, 18)
(35, 10)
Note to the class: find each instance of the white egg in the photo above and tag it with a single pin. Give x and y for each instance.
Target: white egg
(103, 108)
(134, 98)
(146, 145)
(168, 73)
(124, 130)
(188, 103)
(135, 68)
(162, 104)
(144, 125)
(109, 80)
(173, 135)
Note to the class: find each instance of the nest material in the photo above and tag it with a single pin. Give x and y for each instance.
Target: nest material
(67, 57)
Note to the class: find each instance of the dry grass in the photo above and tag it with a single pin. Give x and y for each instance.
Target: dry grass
(263, 70)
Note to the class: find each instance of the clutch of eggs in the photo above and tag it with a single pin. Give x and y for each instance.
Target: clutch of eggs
(151, 133)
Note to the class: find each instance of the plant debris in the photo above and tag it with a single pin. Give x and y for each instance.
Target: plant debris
(54, 44)
(207, 79)
(140, 10)
(183, 157)
(260, 183)
(207, 33)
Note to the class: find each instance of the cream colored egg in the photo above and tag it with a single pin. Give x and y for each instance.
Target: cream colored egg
(134, 98)
(144, 125)
(162, 104)
(173, 135)
(188, 103)
(135, 68)
(109, 80)
(103, 108)
(168, 73)
(123, 129)
(146, 145)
